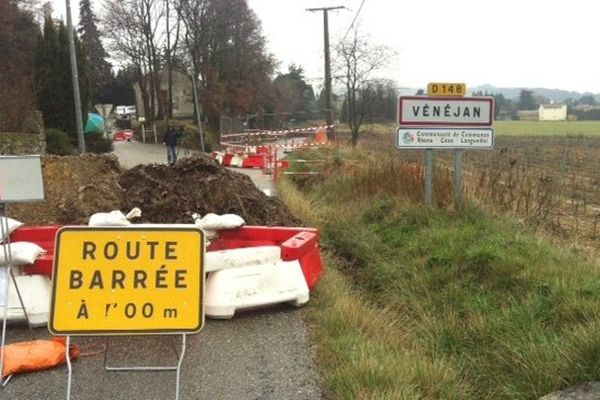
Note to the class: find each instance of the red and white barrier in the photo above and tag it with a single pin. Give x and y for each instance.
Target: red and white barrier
(277, 133)
(233, 289)
(244, 155)
(247, 267)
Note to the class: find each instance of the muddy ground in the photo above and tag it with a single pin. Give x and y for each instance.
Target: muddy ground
(76, 187)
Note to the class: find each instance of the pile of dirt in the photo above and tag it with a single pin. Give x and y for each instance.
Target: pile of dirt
(74, 188)
(171, 194)
(79, 186)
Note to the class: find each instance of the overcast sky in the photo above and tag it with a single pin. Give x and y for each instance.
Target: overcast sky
(508, 43)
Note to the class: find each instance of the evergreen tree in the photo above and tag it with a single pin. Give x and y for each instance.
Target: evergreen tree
(526, 100)
(47, 81)
(122, 89)
(100, 71)
(293, 94)
(18, 39)
(54, 82)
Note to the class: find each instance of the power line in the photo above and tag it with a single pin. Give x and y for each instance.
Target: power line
(354, 20)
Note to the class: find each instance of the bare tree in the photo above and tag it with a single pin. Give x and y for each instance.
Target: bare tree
(357, 59)
(171, 48)
(135, 32)
(225, 46)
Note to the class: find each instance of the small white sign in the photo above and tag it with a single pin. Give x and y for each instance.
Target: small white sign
(445, 111)
(21, 179)
(445, 138)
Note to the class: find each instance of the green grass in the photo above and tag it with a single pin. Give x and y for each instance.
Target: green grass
(434, 304)
(547, 128)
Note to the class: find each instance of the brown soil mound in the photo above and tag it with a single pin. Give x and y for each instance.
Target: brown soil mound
(170, 194)
(79, 186)
(75, 188)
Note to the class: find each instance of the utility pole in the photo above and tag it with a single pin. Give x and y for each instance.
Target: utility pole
(193, 76)
(328, 97)
(75, 75)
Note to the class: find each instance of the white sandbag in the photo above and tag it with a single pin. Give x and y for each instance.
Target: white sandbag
(12, 225)
(248, 256)
(113, 218)
(134, 213)
(22, 253)
(214, 222)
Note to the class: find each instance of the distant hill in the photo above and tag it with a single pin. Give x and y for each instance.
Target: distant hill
(557, 95)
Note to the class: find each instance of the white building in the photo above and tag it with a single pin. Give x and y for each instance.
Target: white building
(553, 112)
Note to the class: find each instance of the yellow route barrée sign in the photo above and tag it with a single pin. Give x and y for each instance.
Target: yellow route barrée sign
(128, 281)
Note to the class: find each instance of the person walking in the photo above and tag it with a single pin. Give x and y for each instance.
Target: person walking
(170, 139)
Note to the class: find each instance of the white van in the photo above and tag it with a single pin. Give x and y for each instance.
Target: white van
(125, 112)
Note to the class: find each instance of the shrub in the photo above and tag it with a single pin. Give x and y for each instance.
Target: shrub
(97, 143)
(58, 142)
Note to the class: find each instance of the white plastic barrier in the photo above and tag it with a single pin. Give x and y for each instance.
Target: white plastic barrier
(235, 258)
(237, 161)
(35, 291)
(233, 289)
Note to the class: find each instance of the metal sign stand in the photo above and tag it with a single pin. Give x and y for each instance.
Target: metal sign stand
(8, 258)
(176, 368)
(14, 189)
(458, 185)
(160, 314)
(429, 176)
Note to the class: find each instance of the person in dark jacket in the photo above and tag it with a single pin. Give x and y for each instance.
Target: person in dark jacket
(170, 139)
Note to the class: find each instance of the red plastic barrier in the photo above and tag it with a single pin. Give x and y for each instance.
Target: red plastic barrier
(43, 236)
(296, 247)
(254, 161)
(227, 160)
(312, 267)
(295, 243)
(283, 164)
(262, 150)
(125, 134)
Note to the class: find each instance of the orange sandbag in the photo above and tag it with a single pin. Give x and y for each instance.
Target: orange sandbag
(36, 355)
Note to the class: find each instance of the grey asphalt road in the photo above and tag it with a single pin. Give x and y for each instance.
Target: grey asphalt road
(258, 355)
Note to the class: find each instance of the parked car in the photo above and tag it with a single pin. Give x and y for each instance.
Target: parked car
(125, 112)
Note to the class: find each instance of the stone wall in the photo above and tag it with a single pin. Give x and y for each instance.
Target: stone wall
(21, 143)
(12, 144)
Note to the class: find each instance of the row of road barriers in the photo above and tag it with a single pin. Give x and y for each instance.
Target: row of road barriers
(266, 150)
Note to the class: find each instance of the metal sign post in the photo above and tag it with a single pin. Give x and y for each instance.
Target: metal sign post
(445, 120)
(128, 281)
(429, 176)
(15, 189)
(458, 154)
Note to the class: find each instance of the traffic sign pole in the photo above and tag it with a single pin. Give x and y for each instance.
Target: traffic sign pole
(458, 154)
(429, 176)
